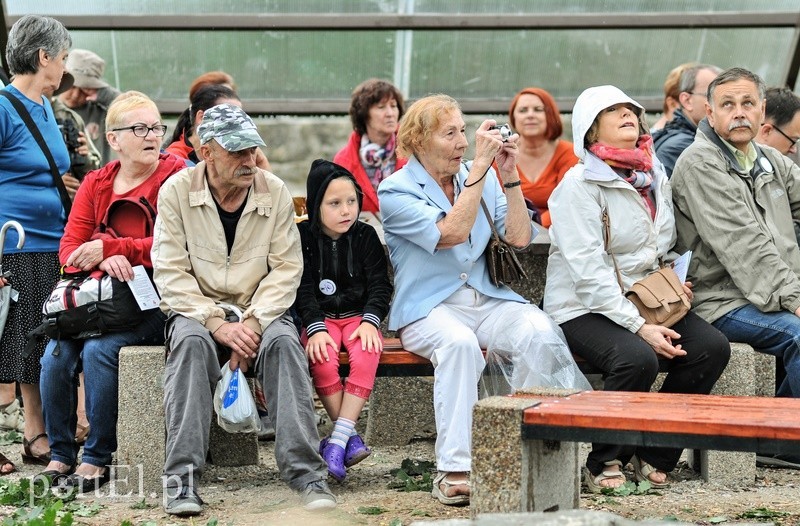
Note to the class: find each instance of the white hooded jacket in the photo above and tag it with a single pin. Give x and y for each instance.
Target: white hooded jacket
(580, 273)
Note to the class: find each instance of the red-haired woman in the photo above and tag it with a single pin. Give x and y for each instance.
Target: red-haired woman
(543, 157)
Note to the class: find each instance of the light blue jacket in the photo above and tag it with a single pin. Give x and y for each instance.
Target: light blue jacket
(411, 203)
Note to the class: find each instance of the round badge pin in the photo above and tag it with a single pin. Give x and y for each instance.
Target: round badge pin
(327, 287)
(765, 164)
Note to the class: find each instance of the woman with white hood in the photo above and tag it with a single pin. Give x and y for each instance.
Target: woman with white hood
(620, 177)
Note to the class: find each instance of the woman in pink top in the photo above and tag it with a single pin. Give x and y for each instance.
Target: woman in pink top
(543, 157)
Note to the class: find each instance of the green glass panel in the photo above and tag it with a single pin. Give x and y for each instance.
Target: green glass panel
(497, 64)
(265, 64)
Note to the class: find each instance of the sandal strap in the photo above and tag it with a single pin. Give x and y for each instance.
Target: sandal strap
(30, 442)
(608, 474)
(647, 469)
(442, 479)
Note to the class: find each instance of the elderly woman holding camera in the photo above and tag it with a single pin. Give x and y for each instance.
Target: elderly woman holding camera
(619, 182)
(36, 52)
(371, 152)
(446, 307)
(134, 131)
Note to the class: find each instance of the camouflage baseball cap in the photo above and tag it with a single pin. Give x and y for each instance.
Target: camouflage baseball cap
(233, 129)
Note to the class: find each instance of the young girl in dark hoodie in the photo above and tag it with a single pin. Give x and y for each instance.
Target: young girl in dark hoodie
(343, 297)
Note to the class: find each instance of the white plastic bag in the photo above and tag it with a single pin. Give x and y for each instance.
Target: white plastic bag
(234, 404)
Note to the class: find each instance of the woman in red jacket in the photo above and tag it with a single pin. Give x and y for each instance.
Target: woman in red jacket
(134, 130)
(375, 110)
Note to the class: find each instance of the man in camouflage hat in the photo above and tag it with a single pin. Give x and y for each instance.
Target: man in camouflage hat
(227, 262)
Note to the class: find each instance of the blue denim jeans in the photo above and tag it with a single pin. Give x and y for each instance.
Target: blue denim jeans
(99, 356)
(775, 333)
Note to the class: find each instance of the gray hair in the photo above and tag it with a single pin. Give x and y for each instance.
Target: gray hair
(28, 35)
(734, 74)
(688, 78)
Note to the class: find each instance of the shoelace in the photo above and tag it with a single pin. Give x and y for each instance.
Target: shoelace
(316, 487)
(188, 492)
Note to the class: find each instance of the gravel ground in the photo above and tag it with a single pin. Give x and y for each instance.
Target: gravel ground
(254, 495)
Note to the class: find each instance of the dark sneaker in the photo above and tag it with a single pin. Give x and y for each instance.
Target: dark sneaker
(318, 497)
(183, 501)
(356, 451)
(778, 461)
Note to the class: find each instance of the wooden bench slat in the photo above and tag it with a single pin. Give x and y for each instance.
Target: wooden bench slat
(396, 361)
(750, 417)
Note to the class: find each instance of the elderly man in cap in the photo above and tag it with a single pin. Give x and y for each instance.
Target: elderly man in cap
(225, 241)
(90, 96)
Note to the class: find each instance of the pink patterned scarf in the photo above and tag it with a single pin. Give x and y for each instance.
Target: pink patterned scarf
(639, 161)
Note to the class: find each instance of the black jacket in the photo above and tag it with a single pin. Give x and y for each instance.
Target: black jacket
(343, 277)
(670, 142)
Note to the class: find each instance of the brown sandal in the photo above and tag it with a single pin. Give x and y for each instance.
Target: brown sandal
(28, 457)
(81, 433)
(4, 461)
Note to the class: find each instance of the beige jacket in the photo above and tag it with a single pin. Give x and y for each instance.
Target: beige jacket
(192, 269)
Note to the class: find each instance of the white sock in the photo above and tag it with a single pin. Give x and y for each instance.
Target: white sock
(342, 431)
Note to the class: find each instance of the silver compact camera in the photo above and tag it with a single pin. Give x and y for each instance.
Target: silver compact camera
(505, 131)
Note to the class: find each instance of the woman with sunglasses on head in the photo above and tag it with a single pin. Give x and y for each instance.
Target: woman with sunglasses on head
(134, 131)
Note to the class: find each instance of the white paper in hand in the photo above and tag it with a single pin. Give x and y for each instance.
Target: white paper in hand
(143, 290)
(681, 265)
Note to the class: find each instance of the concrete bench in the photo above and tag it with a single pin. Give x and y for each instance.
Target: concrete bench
(525, 455)
(141, 434)
(397, 415)
(398, 411)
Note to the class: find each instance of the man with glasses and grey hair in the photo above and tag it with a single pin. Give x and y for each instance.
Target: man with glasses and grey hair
(735, 203)
(678, 134)
(781, 127)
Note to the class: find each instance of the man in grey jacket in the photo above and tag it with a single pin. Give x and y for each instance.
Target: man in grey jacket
(734, 205)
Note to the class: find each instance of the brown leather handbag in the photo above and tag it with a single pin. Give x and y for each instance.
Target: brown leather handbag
(659, 296)
(501, 258)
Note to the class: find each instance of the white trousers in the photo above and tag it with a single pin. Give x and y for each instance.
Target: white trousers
(452, 337)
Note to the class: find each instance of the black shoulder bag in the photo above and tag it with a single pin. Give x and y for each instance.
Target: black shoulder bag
(66, 202)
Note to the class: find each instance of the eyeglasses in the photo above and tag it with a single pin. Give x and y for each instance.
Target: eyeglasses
(140, 130)
(792, 141)
(701, 94)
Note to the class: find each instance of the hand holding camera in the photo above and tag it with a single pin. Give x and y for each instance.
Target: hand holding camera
(505, 131)
(79, 162)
